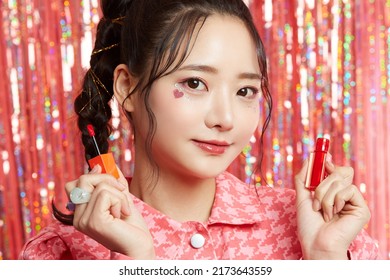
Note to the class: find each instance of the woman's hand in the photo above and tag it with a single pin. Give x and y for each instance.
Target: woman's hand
(331, 217)
(110, 216)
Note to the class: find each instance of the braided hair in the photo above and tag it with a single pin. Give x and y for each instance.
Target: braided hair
(92, 104)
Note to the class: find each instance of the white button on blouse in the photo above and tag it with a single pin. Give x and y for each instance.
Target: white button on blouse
(197, 241)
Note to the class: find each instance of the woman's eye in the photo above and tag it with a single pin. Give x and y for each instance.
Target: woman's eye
(195, 84)
(248, 92)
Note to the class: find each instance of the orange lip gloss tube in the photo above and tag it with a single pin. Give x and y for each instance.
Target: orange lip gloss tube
(106, 161)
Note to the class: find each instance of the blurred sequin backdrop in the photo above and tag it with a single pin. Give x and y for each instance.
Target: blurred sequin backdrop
(329, 65)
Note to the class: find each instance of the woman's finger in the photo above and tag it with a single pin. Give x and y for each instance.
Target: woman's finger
(345, 172)
(122, 179)
(328, 198)
(350, 195)
(94, 177)
(119, 206)
(302, 192)
(343, 175)
(89, 181)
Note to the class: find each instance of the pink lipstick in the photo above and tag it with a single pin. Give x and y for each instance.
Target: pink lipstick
(212, 146)
(316, 171)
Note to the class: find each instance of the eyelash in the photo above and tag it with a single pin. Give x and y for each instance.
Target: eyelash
(184, 85)
(253, 89)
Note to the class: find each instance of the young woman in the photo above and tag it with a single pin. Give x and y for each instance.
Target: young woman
(189, 75)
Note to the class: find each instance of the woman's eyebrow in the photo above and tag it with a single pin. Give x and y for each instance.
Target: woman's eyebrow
(213, 70)
(249, 76)
(200, 68)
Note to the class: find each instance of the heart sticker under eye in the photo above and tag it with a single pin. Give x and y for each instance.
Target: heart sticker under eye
(178, 94)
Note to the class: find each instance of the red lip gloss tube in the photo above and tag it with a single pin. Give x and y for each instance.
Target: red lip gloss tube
(316, 171)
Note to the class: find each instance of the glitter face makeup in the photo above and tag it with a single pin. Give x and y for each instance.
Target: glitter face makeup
(178, 94)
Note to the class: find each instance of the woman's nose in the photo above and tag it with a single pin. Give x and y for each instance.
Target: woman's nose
(220, 113)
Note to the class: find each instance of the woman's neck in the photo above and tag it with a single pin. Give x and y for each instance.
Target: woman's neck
(182, 199)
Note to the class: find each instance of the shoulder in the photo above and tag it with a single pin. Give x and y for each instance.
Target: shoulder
(58, 241)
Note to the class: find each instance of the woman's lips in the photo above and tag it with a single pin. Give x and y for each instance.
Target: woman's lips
(212, 146)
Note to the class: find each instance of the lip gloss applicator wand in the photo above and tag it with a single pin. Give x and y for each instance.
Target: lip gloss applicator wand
(91, 132)
(106, 161)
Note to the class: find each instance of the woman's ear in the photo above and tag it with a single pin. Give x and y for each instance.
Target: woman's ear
(124, 83)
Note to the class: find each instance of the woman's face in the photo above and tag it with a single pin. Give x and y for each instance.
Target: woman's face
(207, 110)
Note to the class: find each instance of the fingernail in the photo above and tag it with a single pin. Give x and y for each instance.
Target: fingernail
(329, 160)
(316, 205)
(121, 186)
(330, 214)
(326, 218)
(95, 169)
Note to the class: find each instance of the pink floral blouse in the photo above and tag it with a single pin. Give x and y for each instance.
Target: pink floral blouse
(243, 225)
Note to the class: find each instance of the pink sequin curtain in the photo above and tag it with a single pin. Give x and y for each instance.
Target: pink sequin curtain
(329, 71)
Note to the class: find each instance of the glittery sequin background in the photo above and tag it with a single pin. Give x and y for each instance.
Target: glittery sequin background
(329, 67)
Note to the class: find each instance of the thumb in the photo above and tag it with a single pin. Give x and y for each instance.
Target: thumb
(302, 192)
(122, 179)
